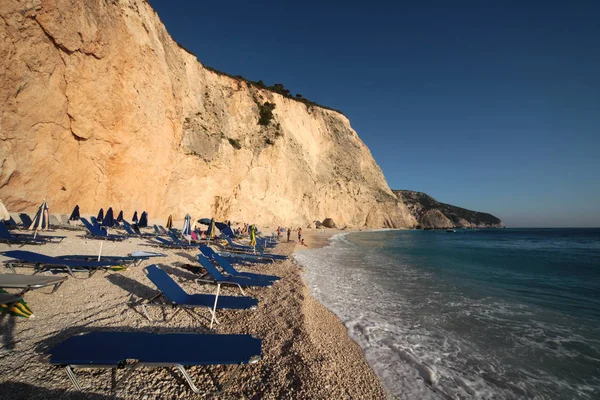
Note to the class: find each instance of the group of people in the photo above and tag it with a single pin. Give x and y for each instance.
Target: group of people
(280, 230)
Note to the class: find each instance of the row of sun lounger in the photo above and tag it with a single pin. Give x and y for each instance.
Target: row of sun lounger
(174, 350)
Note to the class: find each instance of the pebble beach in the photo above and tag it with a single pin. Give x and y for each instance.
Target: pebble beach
(306, 351)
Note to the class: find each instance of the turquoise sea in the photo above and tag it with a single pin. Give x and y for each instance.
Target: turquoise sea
(482, 314)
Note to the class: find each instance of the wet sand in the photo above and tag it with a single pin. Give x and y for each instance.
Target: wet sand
(306, 350)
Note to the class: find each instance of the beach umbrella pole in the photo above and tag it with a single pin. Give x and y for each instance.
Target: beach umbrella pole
(214, 310)
(100, 252)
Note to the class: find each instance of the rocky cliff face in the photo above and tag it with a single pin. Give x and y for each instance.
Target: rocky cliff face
(101, 107)
(430, 213)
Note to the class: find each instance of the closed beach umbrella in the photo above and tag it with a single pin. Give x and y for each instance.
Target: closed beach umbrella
(40, 221)
(108, 220)
(170, 222)
(135, 218)
(100, 216)
(143, 222)
(120, 216)
(252, 235)
(187, 228)
(75, 214)
(4, 215)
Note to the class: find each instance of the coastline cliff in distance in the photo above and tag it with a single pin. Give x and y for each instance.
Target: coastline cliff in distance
(431, 214)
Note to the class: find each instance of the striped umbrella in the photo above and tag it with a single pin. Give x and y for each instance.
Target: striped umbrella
(170, 222)
(187, 226)
(19, 309)
(40, 221)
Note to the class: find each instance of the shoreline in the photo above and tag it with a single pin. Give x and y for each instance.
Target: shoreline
(307, 352)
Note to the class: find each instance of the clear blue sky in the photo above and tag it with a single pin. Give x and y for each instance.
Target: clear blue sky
(488, 105)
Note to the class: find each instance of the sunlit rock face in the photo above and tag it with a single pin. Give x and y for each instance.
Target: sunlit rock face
(100, 107)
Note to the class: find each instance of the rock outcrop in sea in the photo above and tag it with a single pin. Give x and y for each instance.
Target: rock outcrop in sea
(431, 214)
(101, 107)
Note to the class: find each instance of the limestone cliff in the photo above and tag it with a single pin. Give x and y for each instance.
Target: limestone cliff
(435, 215)
(101, 107)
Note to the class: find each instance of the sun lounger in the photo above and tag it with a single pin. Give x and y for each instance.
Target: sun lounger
(229, 269)
(147, 254)
(160, 230)
(48, 238)
(128, 229)
(259, 250)
(217, 277)
(9, 238)
(177, 297)
(25, 220)
(238, 246)
(168, 350)
(128, 260)
(95, 232)
(174, 243)
(29, 282)
(242, 258)
(42, 262)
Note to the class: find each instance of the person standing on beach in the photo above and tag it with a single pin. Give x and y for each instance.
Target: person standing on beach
(278, 232)
(289, 232)
(299, 234)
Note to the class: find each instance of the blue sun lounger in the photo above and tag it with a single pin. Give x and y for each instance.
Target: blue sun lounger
(258, 249)
(167, 350)
(95, 232)
(8, 238)
(42, 262)
(228, 268)
(238, 246)
(241, 258)
(122, 260)
(160, 230)
(173, 244)
(177, 297)
(217, 277)
(6, 234)
(127, 228)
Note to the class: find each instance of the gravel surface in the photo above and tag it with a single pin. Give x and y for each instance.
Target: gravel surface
(306, 350)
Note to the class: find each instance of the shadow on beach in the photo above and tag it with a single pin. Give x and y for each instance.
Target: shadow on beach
(7, 327)
(131, 285)
(24, 391)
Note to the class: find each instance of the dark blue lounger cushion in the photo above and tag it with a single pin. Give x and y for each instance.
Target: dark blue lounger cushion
(111, 348)
(36, 258)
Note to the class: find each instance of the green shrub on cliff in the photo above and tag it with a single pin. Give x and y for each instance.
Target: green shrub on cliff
(265, 112)
(235, 143)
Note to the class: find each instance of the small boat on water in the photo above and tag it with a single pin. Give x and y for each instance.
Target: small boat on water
(451, 230)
